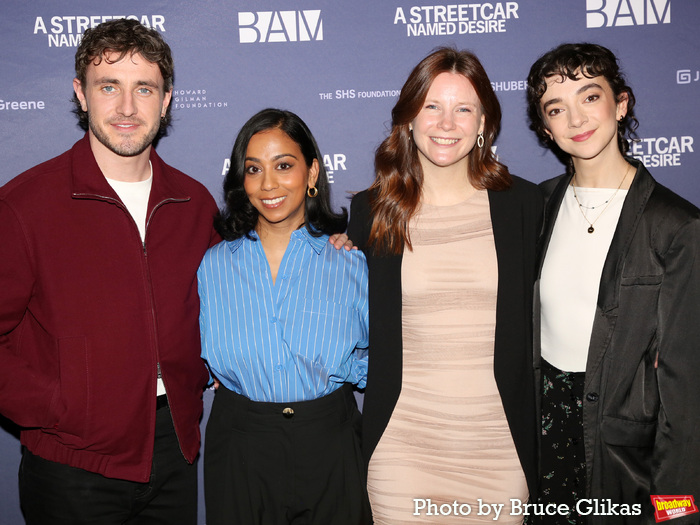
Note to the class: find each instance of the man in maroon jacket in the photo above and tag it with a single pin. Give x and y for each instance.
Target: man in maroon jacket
(99, 334)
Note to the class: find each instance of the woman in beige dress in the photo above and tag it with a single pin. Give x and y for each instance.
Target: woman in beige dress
(449, 413)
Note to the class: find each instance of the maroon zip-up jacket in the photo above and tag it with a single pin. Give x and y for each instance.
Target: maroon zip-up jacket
(87, 311)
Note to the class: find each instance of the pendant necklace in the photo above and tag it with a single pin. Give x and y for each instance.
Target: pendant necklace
(591, 229)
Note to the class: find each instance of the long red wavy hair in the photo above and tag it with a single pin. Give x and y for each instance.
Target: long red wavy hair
(396, 191)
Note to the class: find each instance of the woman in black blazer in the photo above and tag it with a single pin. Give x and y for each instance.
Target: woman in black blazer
(617, 302)
(449, 410)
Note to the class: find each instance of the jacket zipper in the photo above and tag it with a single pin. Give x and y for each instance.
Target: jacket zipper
(148, 279)
(153, 310)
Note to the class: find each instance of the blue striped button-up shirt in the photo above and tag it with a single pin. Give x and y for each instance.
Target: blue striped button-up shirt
(298, 339)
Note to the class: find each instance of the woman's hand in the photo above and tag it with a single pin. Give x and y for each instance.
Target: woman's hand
(340, 240)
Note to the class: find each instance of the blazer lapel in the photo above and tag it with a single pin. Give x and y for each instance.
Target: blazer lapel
(551, 211)
(608, 293)
(508, 235)
(504, 232)
(508, 238)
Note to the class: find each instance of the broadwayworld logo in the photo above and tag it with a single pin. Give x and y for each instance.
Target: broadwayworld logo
(279, 26)
(670, 507)
(614, 13)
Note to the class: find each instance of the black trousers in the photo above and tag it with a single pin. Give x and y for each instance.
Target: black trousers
(56, 494)
(284, 463)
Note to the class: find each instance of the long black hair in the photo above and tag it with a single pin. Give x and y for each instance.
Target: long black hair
(239, 217)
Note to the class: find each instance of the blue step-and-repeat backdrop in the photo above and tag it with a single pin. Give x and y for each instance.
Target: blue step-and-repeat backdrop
(339, 64)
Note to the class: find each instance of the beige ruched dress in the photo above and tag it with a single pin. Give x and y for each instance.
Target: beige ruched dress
(448, 439)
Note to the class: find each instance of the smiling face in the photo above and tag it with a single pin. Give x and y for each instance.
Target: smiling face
(276, 179)
(581, 116)
(125, 101)
(446, 128)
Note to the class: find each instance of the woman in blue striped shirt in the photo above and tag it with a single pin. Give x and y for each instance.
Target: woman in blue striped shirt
(284, 319)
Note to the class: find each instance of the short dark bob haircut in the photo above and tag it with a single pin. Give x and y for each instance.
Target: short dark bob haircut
(124, 37)
(570, 61)
(239, 217)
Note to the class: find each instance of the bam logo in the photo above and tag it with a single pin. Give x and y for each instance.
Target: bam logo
(607, 13)
(280, 26)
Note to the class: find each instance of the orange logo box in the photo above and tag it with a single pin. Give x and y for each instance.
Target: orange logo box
(670, 507)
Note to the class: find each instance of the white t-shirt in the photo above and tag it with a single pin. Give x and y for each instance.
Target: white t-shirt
(135, 196)
(571, 274)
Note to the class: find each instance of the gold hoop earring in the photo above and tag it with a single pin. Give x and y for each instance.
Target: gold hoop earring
(480, 140)
(312, 191)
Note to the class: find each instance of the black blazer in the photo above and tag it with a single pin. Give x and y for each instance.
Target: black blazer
(515, 216)
(642, 423)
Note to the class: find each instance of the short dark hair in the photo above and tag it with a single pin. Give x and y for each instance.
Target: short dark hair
(123, 36)
(569, 61)
(239, 217)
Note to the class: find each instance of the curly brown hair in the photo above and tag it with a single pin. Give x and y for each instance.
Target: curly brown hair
(570, 61)
(125, 37)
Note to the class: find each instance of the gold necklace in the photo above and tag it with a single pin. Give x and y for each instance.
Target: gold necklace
(591, 229)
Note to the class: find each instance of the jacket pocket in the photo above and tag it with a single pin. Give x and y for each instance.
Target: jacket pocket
(642, 280)
(73, 367)
(627, 433)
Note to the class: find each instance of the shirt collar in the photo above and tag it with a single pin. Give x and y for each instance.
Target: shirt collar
(88, 179)
(316, 243)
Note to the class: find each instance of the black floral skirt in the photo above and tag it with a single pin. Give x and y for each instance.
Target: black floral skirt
(562, 455)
